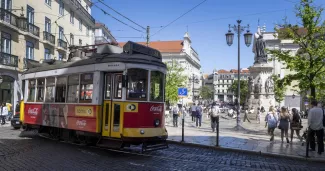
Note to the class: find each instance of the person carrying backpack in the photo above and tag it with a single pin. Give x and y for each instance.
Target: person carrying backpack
(214, 113)
(295, 124)
(271, 120)
(199, 111)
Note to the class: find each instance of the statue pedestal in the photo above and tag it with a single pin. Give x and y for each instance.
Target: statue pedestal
(261, 95)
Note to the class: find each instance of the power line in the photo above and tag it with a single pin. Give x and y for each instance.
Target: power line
(101, 1)
(106, 13)
(179, 17)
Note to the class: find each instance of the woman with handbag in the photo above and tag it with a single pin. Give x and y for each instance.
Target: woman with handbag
(284, 123)
(296, 124)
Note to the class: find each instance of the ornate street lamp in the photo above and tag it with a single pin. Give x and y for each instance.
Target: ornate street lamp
(248, 41)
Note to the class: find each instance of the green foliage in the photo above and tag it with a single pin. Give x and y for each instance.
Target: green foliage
(174, 80)
(243, 90)
(308, 62)
(279, 89)
(206, 92)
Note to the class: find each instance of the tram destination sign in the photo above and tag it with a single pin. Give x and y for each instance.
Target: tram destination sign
(132, 47)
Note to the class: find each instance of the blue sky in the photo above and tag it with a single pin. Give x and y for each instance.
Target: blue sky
(207, 24)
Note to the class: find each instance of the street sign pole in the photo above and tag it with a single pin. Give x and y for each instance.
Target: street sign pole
(182, 120)
(182, 92)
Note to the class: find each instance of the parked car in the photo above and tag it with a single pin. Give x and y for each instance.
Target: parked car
(15, 121)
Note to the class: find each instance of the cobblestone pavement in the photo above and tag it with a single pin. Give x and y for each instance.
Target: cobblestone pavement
(34, 153)
(251, 137)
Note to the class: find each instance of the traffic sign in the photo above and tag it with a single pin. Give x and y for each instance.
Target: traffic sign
(182, 91)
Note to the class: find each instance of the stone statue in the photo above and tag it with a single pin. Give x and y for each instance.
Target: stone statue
(269, 85)
(250, 84)
(258, 86)
(259, 47)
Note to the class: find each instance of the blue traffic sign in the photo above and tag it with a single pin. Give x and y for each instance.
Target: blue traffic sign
(182, 91)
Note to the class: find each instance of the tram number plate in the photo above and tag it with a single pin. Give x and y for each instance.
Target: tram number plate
(17, 122)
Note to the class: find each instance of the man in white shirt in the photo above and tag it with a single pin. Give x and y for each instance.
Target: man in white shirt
(193, 112)
(315, 124)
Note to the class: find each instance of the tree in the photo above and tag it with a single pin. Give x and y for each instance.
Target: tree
(243, 90)
(206, 92)
(279, 89)
(174, 80)
(308, 63)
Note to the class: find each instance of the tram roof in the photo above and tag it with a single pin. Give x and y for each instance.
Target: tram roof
(124, 57)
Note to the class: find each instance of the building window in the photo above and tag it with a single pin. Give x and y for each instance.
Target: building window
(29, 50)
(61, 7)
(80, 24)
(6, 4)
(72, 17)
(80, 42)
(48, 2)
(47, 25)
(87, 8)
(71, 39)
(87, 30)
(61, 56)
(47, 53)
(5, 43)
(30, 14)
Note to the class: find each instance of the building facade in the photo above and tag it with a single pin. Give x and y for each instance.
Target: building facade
(38, 30)
(185, 55)
(103, 34)
(220, 82)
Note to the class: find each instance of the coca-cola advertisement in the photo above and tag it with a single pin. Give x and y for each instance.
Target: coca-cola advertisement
(33, 114)
(82, 124)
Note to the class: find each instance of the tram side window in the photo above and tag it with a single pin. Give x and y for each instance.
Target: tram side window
(61, 89)
(73, 88)
(86, 88)
(31, 90)
(157, 86)
(137, 84)
(50, 86)
(40, 90)
(118, 87)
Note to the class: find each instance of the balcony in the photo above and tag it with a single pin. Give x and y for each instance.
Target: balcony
(8, 59)
(31, 28)
(62, 44)
(8, 17)
(77, 4)
(48, 37)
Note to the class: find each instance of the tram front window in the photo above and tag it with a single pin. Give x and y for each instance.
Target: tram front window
(40, 90)
(157, 86)
(137, 84)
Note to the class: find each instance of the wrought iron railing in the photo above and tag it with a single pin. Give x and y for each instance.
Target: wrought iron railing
(33, 29)
(8, 17)
(62, 44)
(48, 37)
(8, 59)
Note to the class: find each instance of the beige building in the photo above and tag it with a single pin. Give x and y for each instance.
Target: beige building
(38, 30)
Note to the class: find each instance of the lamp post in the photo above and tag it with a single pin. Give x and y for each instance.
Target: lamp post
(248, 41)
(193, 79)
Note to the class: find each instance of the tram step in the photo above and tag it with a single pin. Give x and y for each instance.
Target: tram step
(153, 147)
(111, 143)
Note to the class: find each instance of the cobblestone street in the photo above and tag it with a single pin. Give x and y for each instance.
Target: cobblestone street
(34, 153)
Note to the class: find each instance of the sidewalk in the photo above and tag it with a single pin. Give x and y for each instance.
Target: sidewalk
(248, 140)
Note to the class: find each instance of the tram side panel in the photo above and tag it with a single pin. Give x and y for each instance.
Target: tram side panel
(68, 116)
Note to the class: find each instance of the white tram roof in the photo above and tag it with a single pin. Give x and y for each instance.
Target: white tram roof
(132, 53)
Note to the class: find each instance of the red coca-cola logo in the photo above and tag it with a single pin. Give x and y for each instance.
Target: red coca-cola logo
(156, 109)
(81, 123)
(32, 111)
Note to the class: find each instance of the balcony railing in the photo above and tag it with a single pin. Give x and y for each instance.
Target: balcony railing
(33, 29)
(48, 37)
(80, 7)
(62, 44)
(8, 17)
(8, 59)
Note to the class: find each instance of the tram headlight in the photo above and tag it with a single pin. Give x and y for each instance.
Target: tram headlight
(157, 122)
(141, 131)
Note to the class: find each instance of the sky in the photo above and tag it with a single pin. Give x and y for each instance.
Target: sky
(206, 24)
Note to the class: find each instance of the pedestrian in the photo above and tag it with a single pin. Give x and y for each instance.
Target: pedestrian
(316, 126)
(262, 109)
(194, 112)
(9, 107)
(295, 125)
(199, 111)
(246, 116)
(175, 111)
(4, 113)
(214, 114)
(284, 123)
(271, 120)
(258, 115)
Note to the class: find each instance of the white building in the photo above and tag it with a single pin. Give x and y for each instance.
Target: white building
(184, 54)
(103, 34)
(38, 30)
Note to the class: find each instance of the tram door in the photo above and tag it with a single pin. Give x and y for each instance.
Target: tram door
(112, 106)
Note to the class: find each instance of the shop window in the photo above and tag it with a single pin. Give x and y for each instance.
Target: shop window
(118, 87)
(73, 89)
(61, 89)
(86, 86)
(50, 89)
(40, 90)
(31, 90)
(157, 86)
(137, 84)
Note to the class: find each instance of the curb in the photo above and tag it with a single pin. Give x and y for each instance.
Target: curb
(246, 151)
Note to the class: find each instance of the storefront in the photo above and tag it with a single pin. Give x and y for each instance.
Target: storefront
(9, 87)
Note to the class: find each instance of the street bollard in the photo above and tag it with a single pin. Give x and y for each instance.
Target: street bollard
(307, 143)
(183, 129)
(217, 130)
